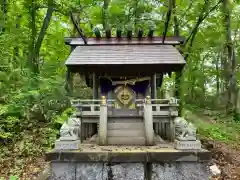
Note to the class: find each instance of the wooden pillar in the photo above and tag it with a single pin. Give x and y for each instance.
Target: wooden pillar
(102, 132)
(154, 86)
(148, 122)
(154, 92)
(95, 86)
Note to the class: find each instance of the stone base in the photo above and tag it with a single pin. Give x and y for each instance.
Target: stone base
(187, 145)
(69, 138)
(129, 171)
(67, 145)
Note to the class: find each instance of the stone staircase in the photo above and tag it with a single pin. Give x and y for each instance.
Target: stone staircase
(125, 128)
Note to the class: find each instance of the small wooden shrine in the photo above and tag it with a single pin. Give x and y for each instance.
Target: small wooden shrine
(125, 72)
(125, 131)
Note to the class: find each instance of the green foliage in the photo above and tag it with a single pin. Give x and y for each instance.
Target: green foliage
(224, 130)
(60, 119)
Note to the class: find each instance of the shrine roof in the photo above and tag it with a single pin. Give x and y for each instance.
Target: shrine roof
(125, 54)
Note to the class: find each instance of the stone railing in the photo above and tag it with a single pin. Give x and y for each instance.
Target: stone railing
(155, 112)
(160, 107)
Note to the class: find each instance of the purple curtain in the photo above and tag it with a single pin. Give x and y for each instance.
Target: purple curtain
(139, 87)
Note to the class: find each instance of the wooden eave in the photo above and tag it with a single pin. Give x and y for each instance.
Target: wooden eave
(160, 40)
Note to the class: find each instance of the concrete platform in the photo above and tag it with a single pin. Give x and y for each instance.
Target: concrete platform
(160, 162)
(129, 154)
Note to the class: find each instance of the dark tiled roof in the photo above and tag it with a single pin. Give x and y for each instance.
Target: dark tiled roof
(125, 54)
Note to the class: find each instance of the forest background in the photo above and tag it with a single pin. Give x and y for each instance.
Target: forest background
(33, 99)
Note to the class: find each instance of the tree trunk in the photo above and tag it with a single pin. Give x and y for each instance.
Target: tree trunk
(237, 114)
(32, 25)
(42, 33)
(223, 79)
(4, 15)
(230, 60)
(75, 32)
(35, 45)
(202, 16)
(178, 78)
(105, 13)
(16, 48)
(217, 76)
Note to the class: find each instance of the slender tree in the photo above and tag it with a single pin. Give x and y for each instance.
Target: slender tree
(230, 60)
(36, 41)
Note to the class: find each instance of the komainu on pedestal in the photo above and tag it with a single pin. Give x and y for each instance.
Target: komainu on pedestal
(69, 134)
(185, 135)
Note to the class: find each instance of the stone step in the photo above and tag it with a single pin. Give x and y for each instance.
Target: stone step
(126, 133)
(126, 141)
(125, 125)
(125, 120)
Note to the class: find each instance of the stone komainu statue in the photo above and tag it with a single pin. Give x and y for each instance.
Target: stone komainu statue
(184, 130)
(71, 128)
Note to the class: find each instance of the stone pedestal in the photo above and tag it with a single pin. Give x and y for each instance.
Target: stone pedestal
(185, 145)
(129, 163)
(67, 144)
(129, 171)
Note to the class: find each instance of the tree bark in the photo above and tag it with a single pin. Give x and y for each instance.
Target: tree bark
(4, 15)
(105, 13)
(32, 26)
(217, 76)
(36, 43)
(230, 60)
(42, 33)
(203, 15)
(16, 48)
(178, 73)
(168, 16)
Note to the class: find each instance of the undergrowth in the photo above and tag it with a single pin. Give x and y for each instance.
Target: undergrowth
(214, 126)
(30, 119)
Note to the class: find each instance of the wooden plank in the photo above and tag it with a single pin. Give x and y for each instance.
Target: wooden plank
(127, 125)
(126, 133)
(126, 141)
